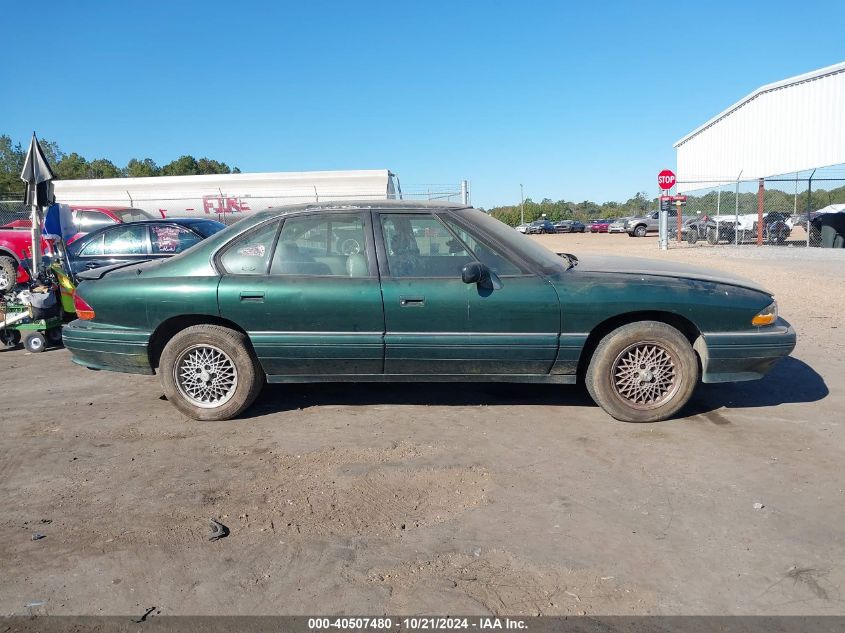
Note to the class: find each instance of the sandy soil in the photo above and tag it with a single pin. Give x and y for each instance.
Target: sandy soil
(437, 498)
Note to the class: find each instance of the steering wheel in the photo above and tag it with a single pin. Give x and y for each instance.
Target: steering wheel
(350, 246)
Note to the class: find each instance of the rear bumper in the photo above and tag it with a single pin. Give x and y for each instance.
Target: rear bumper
(748, 355)
(107, 347)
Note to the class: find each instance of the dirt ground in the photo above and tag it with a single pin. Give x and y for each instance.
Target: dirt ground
(400, 499)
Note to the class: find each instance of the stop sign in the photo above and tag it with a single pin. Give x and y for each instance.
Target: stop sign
(666, 179)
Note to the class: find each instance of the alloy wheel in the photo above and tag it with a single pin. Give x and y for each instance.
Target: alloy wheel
(205, 375)
(644, 375)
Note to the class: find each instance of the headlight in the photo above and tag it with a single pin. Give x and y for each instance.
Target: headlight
(767, 316)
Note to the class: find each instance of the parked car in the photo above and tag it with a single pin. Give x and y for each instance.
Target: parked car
(138, 241)
(742, 228)
(266, 300)
(618, 225)
(642, 226)
(522, 228)
(540, 226)
(599, 226)
(133, 242)
(16, 236)
(570, 226)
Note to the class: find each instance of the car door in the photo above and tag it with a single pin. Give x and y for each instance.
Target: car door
(307, 293)
(116, 245)
(435, 324)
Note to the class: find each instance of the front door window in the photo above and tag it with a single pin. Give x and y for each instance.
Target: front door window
(422, 246)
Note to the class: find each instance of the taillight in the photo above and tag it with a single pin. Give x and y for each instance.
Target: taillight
(83, 310)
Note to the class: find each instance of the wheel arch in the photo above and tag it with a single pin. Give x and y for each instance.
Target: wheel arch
(7, 252)
(679, 322)
(168, 328)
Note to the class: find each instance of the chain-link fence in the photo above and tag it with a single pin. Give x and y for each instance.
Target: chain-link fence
(14, 213)
(806, 209)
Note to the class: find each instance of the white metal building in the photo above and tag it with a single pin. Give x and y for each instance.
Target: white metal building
(224, 194)
(781, 128)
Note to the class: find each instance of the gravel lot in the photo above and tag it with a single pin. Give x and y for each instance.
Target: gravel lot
(425, 498)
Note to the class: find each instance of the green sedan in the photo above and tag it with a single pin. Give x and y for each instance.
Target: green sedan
(393, 291)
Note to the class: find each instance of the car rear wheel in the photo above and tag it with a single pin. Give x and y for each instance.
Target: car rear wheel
(8, 274)
(643, 372)
(640, 231)
(209, 372)
(712, 236)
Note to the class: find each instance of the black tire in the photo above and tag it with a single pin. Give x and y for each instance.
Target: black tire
(230, 352)
(35, 343)
(712, 236)
(54, 336)
(641, 230)
(692, 236)
(626, 397)
(8, 273)
(9, 339)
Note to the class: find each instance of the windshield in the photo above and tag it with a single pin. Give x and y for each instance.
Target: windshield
(548, 262)
(132, 215)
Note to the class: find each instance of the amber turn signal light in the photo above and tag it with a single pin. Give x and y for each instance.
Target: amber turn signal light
(767, 316)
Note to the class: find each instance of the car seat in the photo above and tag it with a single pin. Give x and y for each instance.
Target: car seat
(356, 266)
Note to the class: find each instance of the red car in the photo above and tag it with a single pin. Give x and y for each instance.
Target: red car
(16, 236)
(599, 226)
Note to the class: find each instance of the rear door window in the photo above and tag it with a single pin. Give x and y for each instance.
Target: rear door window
(328, 245)
(126, 239)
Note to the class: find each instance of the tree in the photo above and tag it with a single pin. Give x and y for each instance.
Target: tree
(209, 166)
(51, 152)
(11, 163)
(142, 168)
(103, 168)
(182, 166)
(72, 167)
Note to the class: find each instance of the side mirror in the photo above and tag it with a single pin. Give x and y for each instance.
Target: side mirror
(478, 273)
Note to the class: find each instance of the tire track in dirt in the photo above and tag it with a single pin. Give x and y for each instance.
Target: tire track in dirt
(497, 582)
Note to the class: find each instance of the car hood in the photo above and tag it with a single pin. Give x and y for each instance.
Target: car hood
(641, 266)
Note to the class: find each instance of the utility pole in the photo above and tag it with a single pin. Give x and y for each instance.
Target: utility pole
(521, 206)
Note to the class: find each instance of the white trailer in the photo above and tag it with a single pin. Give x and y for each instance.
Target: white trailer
(227, 196)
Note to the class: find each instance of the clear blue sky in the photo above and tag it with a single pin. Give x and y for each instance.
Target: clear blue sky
(574, 100)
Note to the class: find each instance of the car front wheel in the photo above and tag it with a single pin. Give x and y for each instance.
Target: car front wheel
(209, 372)
(8, 275)
(640, 231)
(643, 372)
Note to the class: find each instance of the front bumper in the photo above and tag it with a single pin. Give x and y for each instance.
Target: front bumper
(108, 347)
(746, 355)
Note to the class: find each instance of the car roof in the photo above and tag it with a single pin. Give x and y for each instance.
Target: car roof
(400, 206)
(183, 221)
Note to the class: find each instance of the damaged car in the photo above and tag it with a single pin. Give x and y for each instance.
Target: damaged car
(393, 291)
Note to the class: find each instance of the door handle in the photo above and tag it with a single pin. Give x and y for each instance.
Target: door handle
(411, 301)
(253, 296)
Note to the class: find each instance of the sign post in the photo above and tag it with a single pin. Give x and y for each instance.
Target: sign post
(665, 180)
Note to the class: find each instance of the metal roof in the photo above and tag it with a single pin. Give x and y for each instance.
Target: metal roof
(777, 85)
(781, 128)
